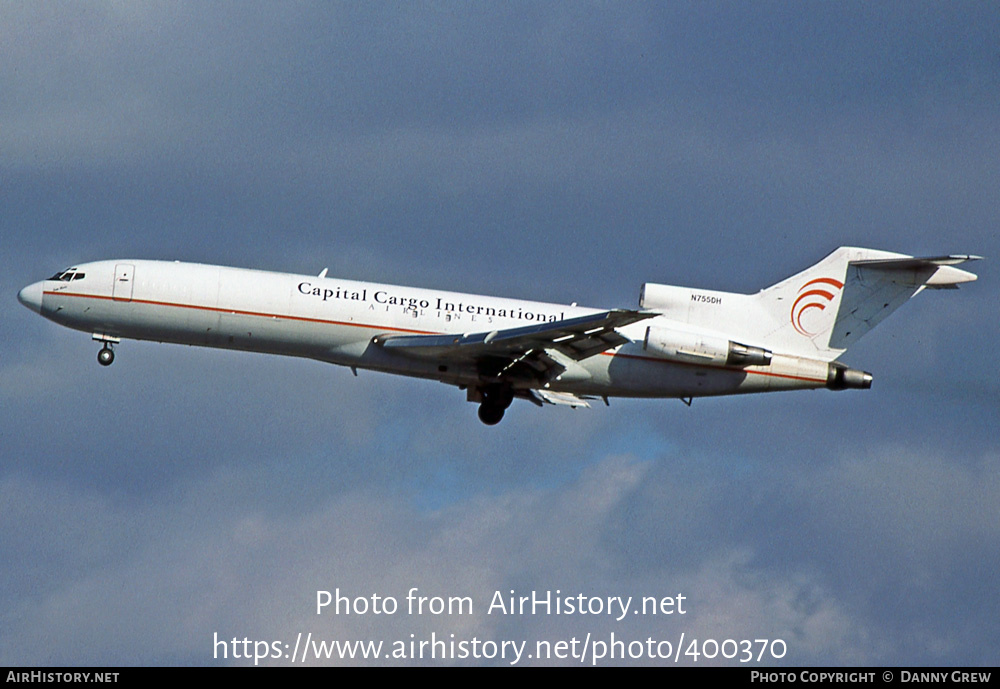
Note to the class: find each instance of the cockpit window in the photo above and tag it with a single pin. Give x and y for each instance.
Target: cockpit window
(68, 275)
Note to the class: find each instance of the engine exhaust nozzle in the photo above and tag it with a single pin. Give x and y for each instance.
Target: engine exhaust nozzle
(840, 377)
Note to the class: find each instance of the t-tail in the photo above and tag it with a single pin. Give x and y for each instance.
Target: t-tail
(819, 312)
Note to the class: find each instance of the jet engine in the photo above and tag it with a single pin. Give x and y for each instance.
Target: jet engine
(839, 377)
(703, 349)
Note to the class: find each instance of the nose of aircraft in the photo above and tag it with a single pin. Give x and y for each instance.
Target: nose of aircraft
(31, 296)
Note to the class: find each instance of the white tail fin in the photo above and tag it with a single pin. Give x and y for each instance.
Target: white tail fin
(819, 312)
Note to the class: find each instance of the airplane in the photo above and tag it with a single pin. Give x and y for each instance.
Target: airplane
(680, 343)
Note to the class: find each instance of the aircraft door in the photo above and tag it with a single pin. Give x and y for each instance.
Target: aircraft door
(124, 279)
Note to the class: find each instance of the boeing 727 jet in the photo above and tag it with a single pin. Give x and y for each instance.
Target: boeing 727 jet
(680, 342)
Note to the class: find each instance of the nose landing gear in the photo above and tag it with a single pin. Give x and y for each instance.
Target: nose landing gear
(106, 356)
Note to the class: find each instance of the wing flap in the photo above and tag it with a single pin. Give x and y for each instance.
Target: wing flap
(564, 399)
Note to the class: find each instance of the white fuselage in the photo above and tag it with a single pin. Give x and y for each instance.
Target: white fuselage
(336, 320)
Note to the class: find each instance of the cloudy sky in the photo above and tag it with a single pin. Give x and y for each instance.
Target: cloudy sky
(553, 151)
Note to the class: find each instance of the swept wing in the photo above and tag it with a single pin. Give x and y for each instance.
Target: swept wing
(543, 348)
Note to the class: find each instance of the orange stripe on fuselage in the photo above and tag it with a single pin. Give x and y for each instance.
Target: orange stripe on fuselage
(306, 319)
(715, 368)
(259, 314)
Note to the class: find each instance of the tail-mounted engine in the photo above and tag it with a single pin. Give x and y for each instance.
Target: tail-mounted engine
(703, 349)
(840, 377)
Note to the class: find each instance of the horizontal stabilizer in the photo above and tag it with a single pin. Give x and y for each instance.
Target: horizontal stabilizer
(915, 262)
(935, 272)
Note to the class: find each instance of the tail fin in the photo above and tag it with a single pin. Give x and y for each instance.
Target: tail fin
(821, 311)
(826, 308)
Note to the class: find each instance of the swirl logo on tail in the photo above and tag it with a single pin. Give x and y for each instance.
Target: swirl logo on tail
(815, 294)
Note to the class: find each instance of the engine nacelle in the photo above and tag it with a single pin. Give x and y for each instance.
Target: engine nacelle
(690, 347)
(839, 377)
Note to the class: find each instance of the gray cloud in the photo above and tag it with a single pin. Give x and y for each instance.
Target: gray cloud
(228, 567)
